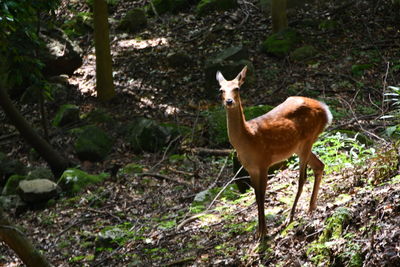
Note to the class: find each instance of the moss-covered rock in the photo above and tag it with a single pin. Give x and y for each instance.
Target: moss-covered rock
(205, 7)
(93, 144)
(97, 116)
(280, 44)
(11, 186)
(40, 173)
(303, 53)
(66, 114)
(134, 20)
(147, 135)
(217, 127)
(75, 180)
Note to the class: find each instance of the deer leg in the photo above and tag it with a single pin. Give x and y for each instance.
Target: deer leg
(318, 169)
(302, 180)
(259, 182)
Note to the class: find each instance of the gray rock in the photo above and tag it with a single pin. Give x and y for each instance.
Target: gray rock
(147, 135)
(37, 190)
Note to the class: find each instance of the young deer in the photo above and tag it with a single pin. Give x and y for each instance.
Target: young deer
(292, 127)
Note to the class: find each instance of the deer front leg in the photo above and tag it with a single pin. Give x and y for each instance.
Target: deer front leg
(259, 183)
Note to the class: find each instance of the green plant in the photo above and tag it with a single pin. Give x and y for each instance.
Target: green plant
(20, 42)
(393, 115)
(339, 150)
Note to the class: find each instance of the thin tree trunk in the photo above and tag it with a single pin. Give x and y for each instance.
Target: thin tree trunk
(104, 80)
(18, 242)
(57, 163)
(279, 16)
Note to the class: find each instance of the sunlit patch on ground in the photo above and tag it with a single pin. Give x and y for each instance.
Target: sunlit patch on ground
(141, 44)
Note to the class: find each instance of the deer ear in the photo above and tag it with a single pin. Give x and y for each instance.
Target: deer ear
(220, 77)
(242, 76)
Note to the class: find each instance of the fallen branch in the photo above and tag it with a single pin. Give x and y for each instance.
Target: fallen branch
(201, 151)
(163, 177)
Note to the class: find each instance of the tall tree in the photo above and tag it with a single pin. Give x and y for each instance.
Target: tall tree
(104, 80)
(279, 16)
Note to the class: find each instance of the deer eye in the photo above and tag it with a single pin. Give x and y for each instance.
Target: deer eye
(221, 91)
(235, 89)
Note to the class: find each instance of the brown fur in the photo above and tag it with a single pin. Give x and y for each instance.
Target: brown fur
(291, 127)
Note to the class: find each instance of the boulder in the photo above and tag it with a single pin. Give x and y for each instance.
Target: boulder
(205, 7)
(147, 135)
(62, 55)
(75, 180)
(281, 44)
(134, 20)
(92, 144)
(303, 53)
(38, 190)
(40, 173)
(230, 62)
(66, 115)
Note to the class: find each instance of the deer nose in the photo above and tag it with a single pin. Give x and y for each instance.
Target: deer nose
(229, 101)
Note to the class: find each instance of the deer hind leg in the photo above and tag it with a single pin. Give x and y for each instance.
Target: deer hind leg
(304, 157)
(318, 168)
(259, 183)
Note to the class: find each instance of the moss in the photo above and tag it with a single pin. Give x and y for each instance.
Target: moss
(66, 114)
(74, 180)
(11, 186)
(205, 7)
(320, 250)
(303, 53)
(134, 20)
(92, 144)
(98, 116)
(334, 224)
(280, 44)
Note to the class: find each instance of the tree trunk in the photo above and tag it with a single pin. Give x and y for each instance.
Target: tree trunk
(18, 242)
(57, 163)
(104, 80)
(278, 14)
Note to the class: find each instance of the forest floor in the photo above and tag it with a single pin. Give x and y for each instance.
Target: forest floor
(154, 221)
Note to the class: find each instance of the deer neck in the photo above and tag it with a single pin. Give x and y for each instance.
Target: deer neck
(237, 126)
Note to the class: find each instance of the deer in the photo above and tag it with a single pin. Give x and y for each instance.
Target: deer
(290, 128)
